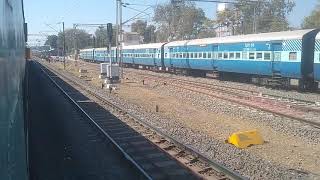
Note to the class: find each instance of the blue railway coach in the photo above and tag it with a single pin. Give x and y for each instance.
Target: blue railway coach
(279, 56)
(87, 54)
(144, 54)
(317, 59)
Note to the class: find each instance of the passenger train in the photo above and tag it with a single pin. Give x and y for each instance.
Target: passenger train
(277, 56)
(13, 125)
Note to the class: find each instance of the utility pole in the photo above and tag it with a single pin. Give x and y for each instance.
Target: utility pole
(64, 47)
(121, 40)
(75, 41)
(117, 30)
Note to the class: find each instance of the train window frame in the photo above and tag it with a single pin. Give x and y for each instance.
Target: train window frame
(264, 56)
(209, 55)
(191, 55)
(200, 55)
(184, 55)
(225, 55)
(205, 55)
(180, 55)
(215, 55)
(245, 55)
(293, 56)
(252, 55)
(196, 55)
(231, 55)
(260, 57)
(220, 55)
(237, 55)
(187, 55)
(277, 56)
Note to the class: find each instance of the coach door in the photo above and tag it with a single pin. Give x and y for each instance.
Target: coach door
(276, 48)
(214, 57)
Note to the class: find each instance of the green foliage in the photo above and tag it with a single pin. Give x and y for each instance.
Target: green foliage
(52, 40)
(179, 22)
(101, 37)
(75, 37)
(145, 30)
(312, 21)
(270, 16)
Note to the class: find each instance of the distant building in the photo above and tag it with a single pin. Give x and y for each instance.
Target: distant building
(131, 38)
(224, 6)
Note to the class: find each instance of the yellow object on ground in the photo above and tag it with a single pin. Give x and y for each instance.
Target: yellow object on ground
(245, 138)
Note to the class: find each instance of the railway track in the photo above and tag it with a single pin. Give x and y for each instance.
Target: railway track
(301, 102)
(303, 111)
(294, 108)
(155, 154)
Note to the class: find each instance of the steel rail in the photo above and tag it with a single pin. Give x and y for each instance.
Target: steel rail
(180, 84)
(215, 165)
(127, 156)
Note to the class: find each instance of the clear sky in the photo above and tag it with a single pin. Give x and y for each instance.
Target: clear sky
(41, 12)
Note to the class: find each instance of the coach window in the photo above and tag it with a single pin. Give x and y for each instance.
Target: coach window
(191, 55)
(231, 55)
(225, 55)
(238, 55)
(180, 55)
(204, 55)
(184, 55)
(195, 55)
(209, 55)
(215, 55)
(245, 55)
(293, 56)
(200, 55)
(267, 56)
(251, 55)
(219, 55)
(259, 56)
(277, 56)
(187, 55)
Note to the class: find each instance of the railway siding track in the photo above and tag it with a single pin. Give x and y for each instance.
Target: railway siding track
(130, 136)
(303, 111)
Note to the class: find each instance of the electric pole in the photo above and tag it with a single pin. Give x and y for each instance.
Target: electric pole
(64, 47)
(121, 41)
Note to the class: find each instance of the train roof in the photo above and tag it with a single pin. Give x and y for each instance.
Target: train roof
(318, 36)
(274, 36)
(144, 46)
(102, 49)
(177, 43)
(90, 49)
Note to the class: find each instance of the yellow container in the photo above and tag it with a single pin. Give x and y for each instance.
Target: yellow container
(244, 139)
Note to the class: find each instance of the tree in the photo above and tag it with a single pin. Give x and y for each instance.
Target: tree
(178, 21)
(52, 40)
(101, 37)
(269, 16)
(149, 35)
(144, 30)
(75, 37)
(312, 21)
(208, 29)
(139, 26)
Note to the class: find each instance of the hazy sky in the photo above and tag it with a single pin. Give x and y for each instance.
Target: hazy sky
(41, 12)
